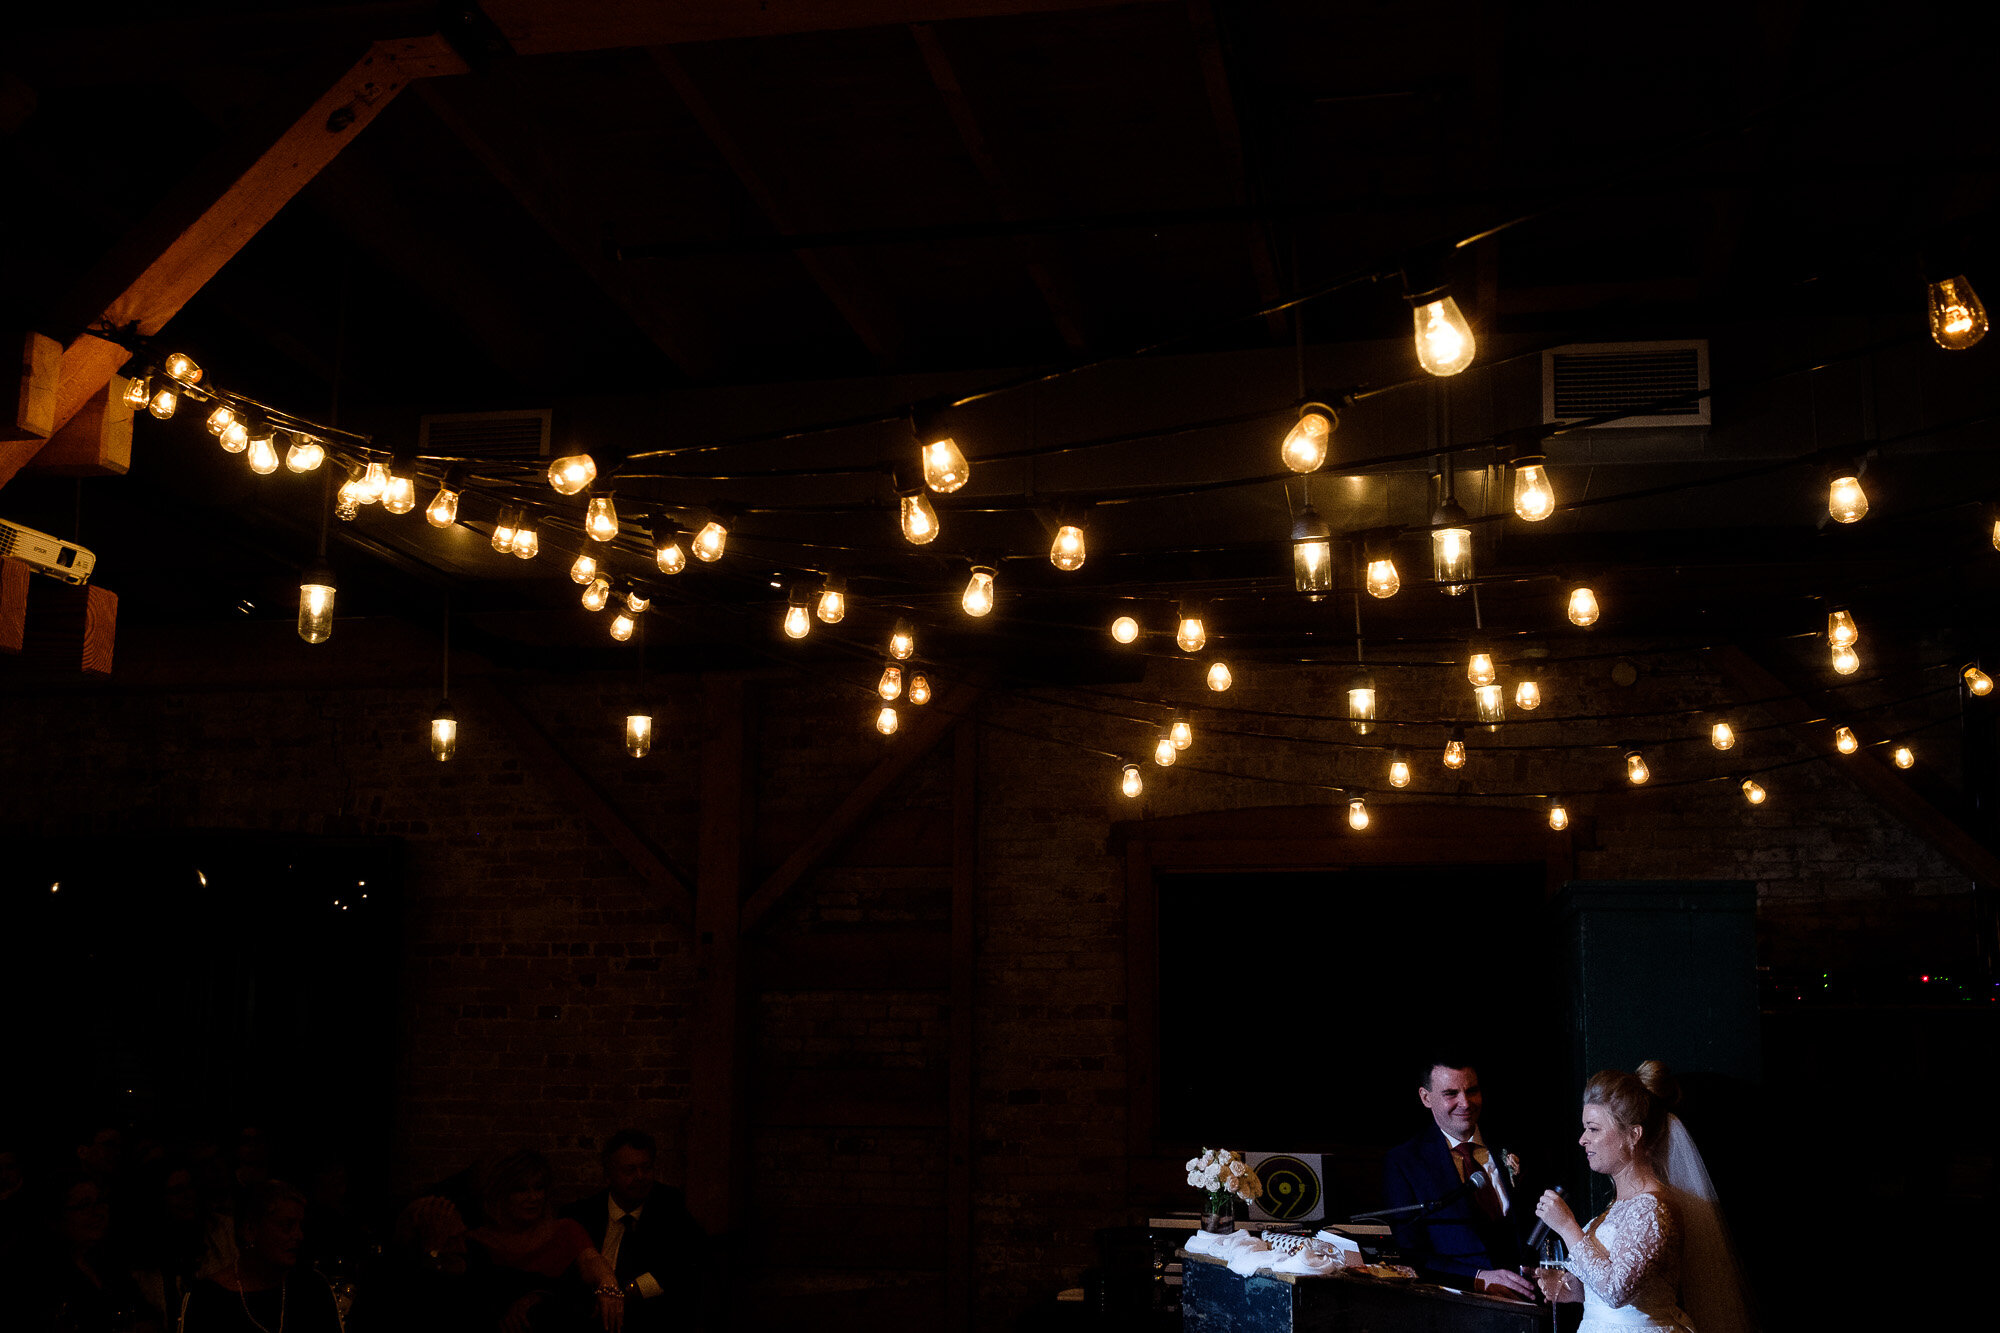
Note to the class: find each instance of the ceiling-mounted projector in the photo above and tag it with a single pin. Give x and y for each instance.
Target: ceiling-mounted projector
(45, 554)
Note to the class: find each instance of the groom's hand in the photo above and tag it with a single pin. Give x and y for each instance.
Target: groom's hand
(1500, 1282)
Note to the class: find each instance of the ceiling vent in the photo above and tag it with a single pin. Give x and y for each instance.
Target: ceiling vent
(485, 435)
(1587, 380)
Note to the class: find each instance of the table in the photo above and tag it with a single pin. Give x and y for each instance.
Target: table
(1215, 1300)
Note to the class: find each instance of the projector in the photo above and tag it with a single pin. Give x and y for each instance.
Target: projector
(45, 554)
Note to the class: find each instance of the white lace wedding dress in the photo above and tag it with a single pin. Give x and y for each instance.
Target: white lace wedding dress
(1630, 1267)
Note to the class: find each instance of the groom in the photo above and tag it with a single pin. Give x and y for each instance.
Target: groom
(1472, 1242)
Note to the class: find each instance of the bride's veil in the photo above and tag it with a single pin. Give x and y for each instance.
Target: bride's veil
(1711, 1280)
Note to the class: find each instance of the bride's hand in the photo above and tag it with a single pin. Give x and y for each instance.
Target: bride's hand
(1551, 1209)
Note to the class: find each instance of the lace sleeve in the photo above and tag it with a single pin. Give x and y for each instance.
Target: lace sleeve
(1646, 1237)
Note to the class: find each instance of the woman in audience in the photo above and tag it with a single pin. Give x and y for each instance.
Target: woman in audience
(541, 1264)
(261, 1293)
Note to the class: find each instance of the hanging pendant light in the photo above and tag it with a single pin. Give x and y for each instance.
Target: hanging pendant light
(1130, 781)
(1312, 554)
(1191, 633)
(979, 591)
(1454, 749)
(1219, 677)
(1451, 542)
(444, 733)
(1399, 770)
(1357, 814)
(638, 734)
(1304, 449)
(1479, 668)
(902, 641)
(1361, 702)
(316, 593)
(1534, 499)
(1492, 705)
(832, 600)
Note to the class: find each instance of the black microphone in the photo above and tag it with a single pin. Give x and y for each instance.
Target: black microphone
(1541, 1231)
(1474, 1181)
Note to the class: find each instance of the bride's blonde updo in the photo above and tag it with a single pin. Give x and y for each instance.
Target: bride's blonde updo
(1642, 1099)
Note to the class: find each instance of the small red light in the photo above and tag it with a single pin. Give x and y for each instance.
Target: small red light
(1926, 976)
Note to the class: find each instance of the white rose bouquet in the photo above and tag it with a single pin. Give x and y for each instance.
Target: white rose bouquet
(1221, 1173)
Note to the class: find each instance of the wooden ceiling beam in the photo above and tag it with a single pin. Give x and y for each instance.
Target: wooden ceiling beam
(1037, 254)
(1229, 130)
(543, 27)
(838, 274)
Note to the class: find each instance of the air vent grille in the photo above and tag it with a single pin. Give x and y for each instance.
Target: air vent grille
(486, 435)
(1599, 379)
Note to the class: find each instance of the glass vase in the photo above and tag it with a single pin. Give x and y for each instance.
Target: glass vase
(1219, 1212)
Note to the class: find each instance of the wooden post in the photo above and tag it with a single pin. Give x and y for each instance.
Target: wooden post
(74, 629)
(964, 898)
(14, 576)
(34, 414)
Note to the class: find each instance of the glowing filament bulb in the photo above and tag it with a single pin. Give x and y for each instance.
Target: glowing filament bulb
(374, 481)
(1451, 548)
(220, 418)
(181, 366)
(234, 437)
(1722, 736)
(583, 569)
(444, 734)
(1312, 554)
(710, 541)
(600, 519)
(598, 595)
(945, 468)
(919, 520)
(622, 626)
(1558, 817)
(1125, 629)
(316, 604)
(1844, 740)
(1304, 449)
(1444, 340)
(527, 541)
(1357, 814)
(1479, 669)
(885, 721)
(503, 531)
(1846, 661)
(1454, 751)
(1180, 733)
(1165, 751)
(570, 474)
(1904, 756)
(1958, 320)
(1846, 502)
(1399, 771)
(263, 455)
(1841, 631)
(1191, 634)
(399, 496)
(1130, 782)
(1534, 500)
(902, 641)
(978, 597)
(306, 456)
(1491, 703)
(1636, 771)
(638, 734)
(669, 556)
(443, 509)
(1753, 791)
(1527, 696)
(1977, 681)
(1361, 704)
(1383, 581)
(1066, 552)
(137, 391)
(832, 603)
(1995, 538)
(347, 504)
(1219, 678)
(636, 604)
(920, 689)
(891, 685)
(1583, 610)
(163, 402)
(798, 621)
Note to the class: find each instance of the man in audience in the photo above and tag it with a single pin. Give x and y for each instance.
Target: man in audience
(644, 1231)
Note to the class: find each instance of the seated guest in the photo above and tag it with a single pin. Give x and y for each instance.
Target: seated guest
(540, 1263)
(168, 1237)
(644, 1231)
(424, 1282)
(261, 1292)
(1471, 1242)
(74, 1283)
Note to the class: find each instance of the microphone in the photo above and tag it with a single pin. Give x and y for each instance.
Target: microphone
(1474, 1181)
(1541, 1231)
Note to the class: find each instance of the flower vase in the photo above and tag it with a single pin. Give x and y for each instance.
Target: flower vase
(1219, 1213)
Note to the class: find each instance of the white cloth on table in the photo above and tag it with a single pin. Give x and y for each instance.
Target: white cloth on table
(1246, 1254)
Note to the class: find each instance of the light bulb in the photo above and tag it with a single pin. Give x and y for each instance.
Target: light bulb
(306, 456)
(885, 721)
(638, 734)
(1904, 756)
(347, 504)
(163, 402)
(1383, 580)
(1130, 782)
(1636, 771)
(503, 532)
(1454, 751)
(798, 621)
(1844, 741)
(1534, 500)
(570, 474)
(1958, 320)
(442, 511)
(1444, 340)
(263, 455)
(1361, 703)
(1527, 696)
(920, 689)
(1492, 704)
(600, 519)
(373, 482)
(598, 595)
(444, 733)
(527, 541)
(710, 541)
(1995, 538)
(137, 391)
(1841, 631)
(1846, 502)
(316, 604)
(668, 555)
(1181, 733)
(978, 597)
(234, 437)
(1558, 817)
(399, 496)
(1066, 552)
(1583, 610)
(1357, 814)
(1164, 750)
(891, 685)
(1219, 678)
(1399, 771)
(1753, 791)
(1312, 554)
(220, 418)
(1479, 669)
(1722, 736)
(1976, 681)
(181, 366)
(1846, 661)
(1451, 548)
(622, 626)
(945, 468)
(920, 521)
(1125, 629)
(1191, 633)
(635, 603)
(832, 602)
(583, 569)
(1304, 449)
(902, 641)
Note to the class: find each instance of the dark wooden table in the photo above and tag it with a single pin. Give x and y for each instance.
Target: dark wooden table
(1215, 1300)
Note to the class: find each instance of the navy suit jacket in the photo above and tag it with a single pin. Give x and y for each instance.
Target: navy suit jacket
(1456, 1241)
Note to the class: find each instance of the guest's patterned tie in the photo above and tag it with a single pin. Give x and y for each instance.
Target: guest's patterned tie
(1484, 1198)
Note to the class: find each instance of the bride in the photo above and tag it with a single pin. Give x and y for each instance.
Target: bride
(1658, 1257)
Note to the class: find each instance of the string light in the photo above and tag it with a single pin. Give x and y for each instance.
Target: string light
(347, 504)
(1977, 682)
(979, 592)
(638, 734)
(1191, 634)
(1164, 750)
(798, 616)
(316, 603)
(1844, 740)
(885, 720)
(1534, 499)
(399, 495)
(1219, 678)
(221, 417)
(583, 569)
(137, 391)
(1181, 732)
(1445, 344)
(1995, 537)
(306, 455)
(1125, 629)
(600, 518)
(1904, 756)
(920, 689)
(1066, 552)
(1399, 770)
(945, 468)
(1958, 320)
(1846, 502)
(527, 540)
(180, 366)
(1583, 610)
(572, 472)
(1454, 749)
(832, 600)
(1451, 544)
(1527, 696)
(1382, 580)
(890, 687)
(1492, 705)
(622, 626)
(1636, 771)
(1753, 791)
(263, 455)
(1312, 554)
(1304, 449)
(1130, 782)
(710, 542)
(598, 595)
(902, 641)
(503, 530)
(1558, 816)
(1479, 669)
(444, 733)
(1846, 661)
(374, 481)
(635, 603)
(668, 553)
(1722, 736)
(235, 436)
(1357, 814)
(1841, 631)
(163, 402)
(914, 512)
(1361, 703)
(442, 511)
